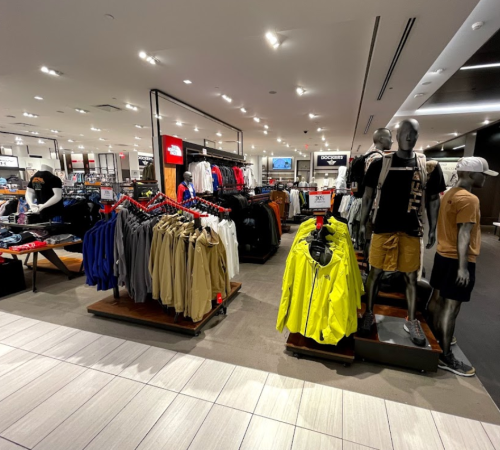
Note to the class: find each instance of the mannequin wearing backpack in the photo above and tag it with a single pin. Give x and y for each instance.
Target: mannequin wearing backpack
(402, 187)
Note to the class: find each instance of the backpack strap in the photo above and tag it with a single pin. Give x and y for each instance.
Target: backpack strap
(386, 166)
(422, 168)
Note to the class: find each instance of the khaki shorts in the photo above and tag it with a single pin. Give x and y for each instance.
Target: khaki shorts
(395, 252)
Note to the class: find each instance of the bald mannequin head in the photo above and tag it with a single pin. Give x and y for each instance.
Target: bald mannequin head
(382, 138)
(407, 134)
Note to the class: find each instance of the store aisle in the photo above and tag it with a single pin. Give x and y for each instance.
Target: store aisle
(63, 388)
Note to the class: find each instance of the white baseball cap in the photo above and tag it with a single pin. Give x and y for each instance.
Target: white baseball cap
(475, 164)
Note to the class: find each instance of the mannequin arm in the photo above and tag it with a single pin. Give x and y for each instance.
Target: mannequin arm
(464, 230)
(366, 207)
(30, 198)
(52, 200)
(432, 207)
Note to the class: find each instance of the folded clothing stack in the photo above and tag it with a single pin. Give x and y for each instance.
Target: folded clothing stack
(29, 218)
(31, 245)
(17, 239)
(61, 239)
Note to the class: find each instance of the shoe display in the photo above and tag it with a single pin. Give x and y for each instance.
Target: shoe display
(451, 364)
(366, 323)
(416, 334)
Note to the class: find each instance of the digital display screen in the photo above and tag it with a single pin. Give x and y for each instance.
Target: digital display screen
(282, 164)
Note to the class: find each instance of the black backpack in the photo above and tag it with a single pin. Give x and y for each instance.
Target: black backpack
(357, 174)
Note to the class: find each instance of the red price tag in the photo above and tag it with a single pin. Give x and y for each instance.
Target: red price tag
(219, 298)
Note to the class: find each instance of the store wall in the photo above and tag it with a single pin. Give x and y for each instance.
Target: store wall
(488, 147)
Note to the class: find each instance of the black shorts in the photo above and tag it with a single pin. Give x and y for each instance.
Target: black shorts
(444, 278)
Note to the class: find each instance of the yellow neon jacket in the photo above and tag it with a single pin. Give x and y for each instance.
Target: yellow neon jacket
(321, 302)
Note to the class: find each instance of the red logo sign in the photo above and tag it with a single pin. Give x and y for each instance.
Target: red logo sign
(122, 155)
(172, 150)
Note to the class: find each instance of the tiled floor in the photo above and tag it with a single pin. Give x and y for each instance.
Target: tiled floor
(67, 389)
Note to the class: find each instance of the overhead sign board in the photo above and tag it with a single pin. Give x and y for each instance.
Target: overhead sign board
(332, 160)
(145, 160)
(9, 161)
(172, 150)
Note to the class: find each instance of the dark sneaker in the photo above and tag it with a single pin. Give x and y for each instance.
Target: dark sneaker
(451, 364)
(416, 334)
(366, 323)
(453, 341)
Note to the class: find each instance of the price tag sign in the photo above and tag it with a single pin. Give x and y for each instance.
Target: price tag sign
(320, 200)
(203, 151)
(107, 193)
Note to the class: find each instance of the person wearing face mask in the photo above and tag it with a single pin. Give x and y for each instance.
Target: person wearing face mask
(454, 272)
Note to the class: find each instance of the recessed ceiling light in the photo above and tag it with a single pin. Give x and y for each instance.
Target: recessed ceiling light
(320, 149)
(34, 132)
(220, 148)
(81, 147)
(139, 126)
(266, 127)
(41, 141)
(476, 25)
(439, 71)
(178, 123)
(312, 116)
(218, 133)
(196, 129)
(397, 125)
(158, 116)
(420, 94)
(228, 99)
(71, 140)
(188, 82)
(110, 146)
(253, 146)
(150, 59)
(138, 138)
(176, 136)
(263, 151)
(49, 71)
(455, 134)
(72, 151)
(486, 122)
(323, 138)
(300, 91)
(326, 144)
(54, 131)
(272, 153)
(38, 97)
(273, 39)
(26, 114)
(135, 150)
(288, 145)
(136, 145)
(256, 119)
(319, 129)
(425, 147)
(95, 129)
(243, 110)
(81, 111)
(265, 132)
(132, 107)
(426, 83)
(109, 151)
(279, 139)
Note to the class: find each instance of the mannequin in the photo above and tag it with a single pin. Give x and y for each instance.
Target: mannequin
(398, 217)
(382, 139)
(459, 241)
(44, 193)
(185, 190)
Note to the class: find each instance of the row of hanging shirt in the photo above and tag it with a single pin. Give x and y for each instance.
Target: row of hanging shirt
(208, 178)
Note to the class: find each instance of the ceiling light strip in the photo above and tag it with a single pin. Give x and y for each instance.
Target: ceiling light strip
(481, 66)
(368, 124)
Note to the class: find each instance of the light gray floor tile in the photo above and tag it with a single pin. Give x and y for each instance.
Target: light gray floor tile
(23, 401)
(49, 340)
(97, 350)
(365, 421)
(16, 326)
(86, 423)
(120, 358)
(128, 428)
(4, 349)
(24, 374)
(280, 398)
(208, 381)
(39, 422)
(177, 372)
(178, 425)
(70, 346)
(267, 434)
(412, 428)
(493, 432)
(243, 389)
(457, 432)
(321, 409)
(10, 360)
(7, 445)
(30, 334)
(307, 440)
(148, 364)
(8, 318)
(224, 428)
(347, 445)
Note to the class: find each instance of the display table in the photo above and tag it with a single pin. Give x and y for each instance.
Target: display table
(49, 253)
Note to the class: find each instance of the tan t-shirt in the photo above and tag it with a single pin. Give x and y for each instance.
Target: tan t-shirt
(458, 206)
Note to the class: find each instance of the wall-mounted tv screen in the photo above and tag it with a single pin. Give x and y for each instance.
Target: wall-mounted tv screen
(282, 163)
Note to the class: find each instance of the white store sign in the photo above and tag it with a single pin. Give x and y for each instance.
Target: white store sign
(320, 200)
(9, 161)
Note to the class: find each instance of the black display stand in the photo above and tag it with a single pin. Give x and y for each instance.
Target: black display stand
(342, 352)
(151, 313)
(257, 259)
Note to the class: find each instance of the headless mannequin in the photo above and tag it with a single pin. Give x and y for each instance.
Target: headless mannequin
(407, 138)
(31, 196)
(443, 312)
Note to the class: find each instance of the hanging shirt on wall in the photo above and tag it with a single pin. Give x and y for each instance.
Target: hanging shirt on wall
(401, 194)
(43, 183)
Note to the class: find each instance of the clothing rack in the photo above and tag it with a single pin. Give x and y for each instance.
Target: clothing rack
(259, 198)
(206, 202)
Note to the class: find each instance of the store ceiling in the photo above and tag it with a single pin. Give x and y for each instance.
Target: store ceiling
(219, 46)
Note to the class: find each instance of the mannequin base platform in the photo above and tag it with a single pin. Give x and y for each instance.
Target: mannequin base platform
(151, 313)
(389, 343)
(300, 345)
(257, 259)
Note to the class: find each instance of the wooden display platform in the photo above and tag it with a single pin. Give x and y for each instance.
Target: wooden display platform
(74, 265)
(257, 259)
(151, 313)
(389, 344)
(300, 345)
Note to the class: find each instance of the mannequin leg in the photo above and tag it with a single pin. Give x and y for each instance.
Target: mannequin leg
(449, 314)
(411, 294)
(372, 287)
(434, 308)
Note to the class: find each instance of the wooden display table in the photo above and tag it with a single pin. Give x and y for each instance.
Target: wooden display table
(53, 263)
